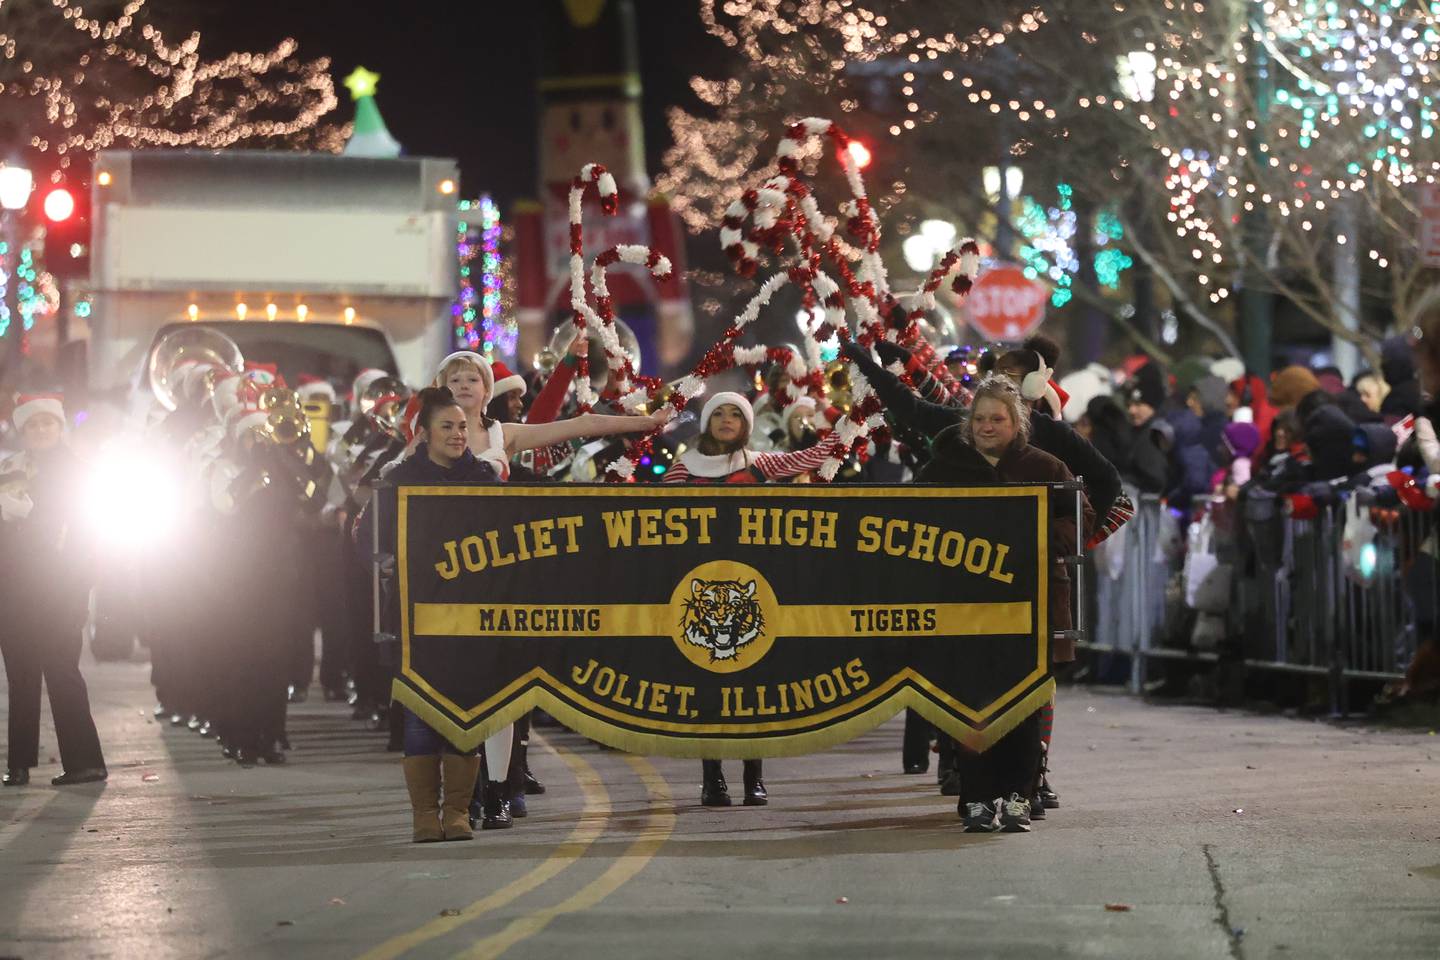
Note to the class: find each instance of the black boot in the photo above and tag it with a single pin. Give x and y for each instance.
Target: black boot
(755, 795)
(946, 770)
(714, 792)
(496, 807)
(915, 747)
(16, 777)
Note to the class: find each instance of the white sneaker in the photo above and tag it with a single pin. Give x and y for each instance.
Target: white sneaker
(1015, 814)
(979, 817)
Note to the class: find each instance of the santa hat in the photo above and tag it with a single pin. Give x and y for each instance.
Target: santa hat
(487, 376)
(249, 418)
(505, 380)
(800, 406)
(264, 373)
(735, 400)
(28, 405)
(312, 387)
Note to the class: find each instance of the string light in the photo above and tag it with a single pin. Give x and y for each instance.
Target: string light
(481, 320)
(126, 84)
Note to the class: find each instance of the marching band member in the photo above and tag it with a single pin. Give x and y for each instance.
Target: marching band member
(440, 778)
(996, 786)
(471, 381)
(722, 454)
(43, 576)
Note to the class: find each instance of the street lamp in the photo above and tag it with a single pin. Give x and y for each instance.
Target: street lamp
(16, 185)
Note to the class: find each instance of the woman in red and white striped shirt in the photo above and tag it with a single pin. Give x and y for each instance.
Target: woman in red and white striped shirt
(722, 454)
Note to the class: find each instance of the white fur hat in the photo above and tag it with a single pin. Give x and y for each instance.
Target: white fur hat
(734, 399)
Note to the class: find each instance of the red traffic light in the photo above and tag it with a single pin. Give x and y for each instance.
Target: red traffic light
(59, 205)
(859, 154)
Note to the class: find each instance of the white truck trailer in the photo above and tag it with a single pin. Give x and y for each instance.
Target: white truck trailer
(349, 262)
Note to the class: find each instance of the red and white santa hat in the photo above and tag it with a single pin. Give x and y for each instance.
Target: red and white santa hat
(722, 398)
(249, 418)
(505, 380)
(313, 388)
(28, 405)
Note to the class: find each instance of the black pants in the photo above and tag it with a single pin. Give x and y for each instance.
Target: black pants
(52, 655)
(1012, 765)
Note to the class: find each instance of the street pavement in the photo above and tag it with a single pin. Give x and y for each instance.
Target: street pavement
(1185, 832)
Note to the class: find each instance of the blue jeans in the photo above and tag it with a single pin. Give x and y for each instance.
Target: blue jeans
(423, 740)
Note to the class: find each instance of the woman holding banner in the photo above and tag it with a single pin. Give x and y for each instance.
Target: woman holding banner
(993, 446)
(468, 383)
(722, 454)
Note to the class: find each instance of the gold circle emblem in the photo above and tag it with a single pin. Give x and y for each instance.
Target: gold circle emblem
(724, 614)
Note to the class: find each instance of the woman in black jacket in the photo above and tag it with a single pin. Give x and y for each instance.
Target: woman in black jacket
(434, 768)
(44, 577)
(1047, 432)
(996, 787)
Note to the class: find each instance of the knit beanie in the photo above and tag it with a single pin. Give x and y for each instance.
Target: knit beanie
(729, 397)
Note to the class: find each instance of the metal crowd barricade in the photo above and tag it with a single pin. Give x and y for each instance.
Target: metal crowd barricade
(1300, 601)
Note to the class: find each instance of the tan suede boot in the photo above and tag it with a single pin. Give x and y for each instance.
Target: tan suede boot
(422, 778)
(460, 774)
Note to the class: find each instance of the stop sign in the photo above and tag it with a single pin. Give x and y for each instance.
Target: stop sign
(1005, 304)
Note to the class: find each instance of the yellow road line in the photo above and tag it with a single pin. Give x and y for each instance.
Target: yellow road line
(593, 817)
(659, 825)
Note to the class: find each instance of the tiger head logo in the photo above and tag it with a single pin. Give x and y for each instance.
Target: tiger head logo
(722, 616)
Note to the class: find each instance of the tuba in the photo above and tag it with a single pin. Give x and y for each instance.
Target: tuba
(182, 347)
(564, 335)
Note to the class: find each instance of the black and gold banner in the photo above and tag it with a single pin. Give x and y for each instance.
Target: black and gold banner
(738, 621)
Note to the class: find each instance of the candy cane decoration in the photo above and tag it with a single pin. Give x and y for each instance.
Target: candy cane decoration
(634, 253)
(581, 313)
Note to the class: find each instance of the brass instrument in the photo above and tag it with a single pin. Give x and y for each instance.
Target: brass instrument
(837, 384)
(180, 349)
(564, 335)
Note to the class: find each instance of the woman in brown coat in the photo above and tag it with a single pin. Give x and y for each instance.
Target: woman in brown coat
(991, 446)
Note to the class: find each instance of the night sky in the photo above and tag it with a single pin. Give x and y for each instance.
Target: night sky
(458, 76)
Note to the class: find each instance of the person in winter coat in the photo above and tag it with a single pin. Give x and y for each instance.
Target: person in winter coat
(1397, 366)
(722, 454)
(1148, 466)
(1248, 393)
(997, 785)
(1207, 400)
(1289, 386)
(1241, 442)
(439, 777)
(44, 586)
(1330, 439)
(1191, 462)
(1047, 431)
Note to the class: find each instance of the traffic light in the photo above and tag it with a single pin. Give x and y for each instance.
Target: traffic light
(65, 208)
(859, 154)
(59, 205)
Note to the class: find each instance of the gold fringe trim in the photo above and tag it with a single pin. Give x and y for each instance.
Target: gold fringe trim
(790, 745)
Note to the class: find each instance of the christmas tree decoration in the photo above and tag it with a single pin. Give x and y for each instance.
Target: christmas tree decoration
(370, 137)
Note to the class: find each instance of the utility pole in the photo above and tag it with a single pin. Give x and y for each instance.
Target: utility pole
(1256, 302)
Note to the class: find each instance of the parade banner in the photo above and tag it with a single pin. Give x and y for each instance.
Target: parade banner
(725, 621)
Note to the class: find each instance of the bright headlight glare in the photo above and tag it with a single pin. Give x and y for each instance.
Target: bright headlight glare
(132, 500)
